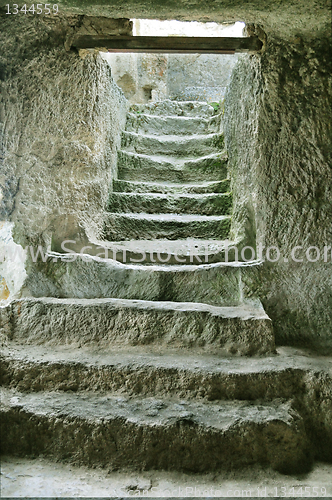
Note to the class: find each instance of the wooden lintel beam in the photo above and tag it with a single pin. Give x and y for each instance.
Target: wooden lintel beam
(169, 44)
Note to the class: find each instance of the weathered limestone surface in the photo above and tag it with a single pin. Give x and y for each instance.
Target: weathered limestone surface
(204, 77)
(242, 330)
(278, 135)
(200, 204)
(96, 277)
(61, 117)
(147, 390)
(149, 433)
(181, 125)
(288, 18)
(57, 172)
(123, 186)
(134, 166)
(183, 373)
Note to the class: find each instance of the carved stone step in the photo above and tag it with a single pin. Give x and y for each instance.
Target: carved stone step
(150, 433)
(241, 330)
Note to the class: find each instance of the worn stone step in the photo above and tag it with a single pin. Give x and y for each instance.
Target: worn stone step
(96, 277)
(188, 251)
(175, 145)
(175, 108)
(170, 125)
(125, 226)
(151, 433)
(163, 326)
(154, 203)
(140, 372)
(158, 168)
(122, 186)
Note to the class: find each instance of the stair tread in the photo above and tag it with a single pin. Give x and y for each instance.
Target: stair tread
(182, 251)
(178, 268)
(242, 312)
(182, 139)
(186, 251)
(173, 159)
(153, 433)
(174, 167)
(170, 196)
(178, 203)
(190, 375)
(176, 145)
(172, 125)
(165, 187)
(120, 226)
(137, 357)
(175, 117)
(165, 184)
(175, 108)
(169, 217)
(169, 246)
(148, 411)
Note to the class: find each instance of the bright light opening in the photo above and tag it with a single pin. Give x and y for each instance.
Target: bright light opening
(150, 77)
(153, 27)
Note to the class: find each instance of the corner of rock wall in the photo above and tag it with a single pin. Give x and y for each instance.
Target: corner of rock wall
(278, 136)
(61, 120)
(241, 115)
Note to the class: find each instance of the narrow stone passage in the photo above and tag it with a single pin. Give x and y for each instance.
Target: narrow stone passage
(141, 353)
(172, 179)
(145, 370)
(169, 216)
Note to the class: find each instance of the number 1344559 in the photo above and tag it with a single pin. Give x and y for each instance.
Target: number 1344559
(38, 8)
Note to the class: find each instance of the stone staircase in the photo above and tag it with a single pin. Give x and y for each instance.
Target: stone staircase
(172, 182)
(136, 361)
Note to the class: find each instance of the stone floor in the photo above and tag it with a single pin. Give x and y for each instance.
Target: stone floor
(26, 478)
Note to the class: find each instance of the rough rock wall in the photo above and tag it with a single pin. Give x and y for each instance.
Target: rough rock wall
(289, 17)
(184, 77)
(278, 134)
(142, 77)
(61, 116)
(202, 77)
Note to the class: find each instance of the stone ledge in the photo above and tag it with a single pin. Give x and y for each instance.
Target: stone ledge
(241, 330)
(152, 433)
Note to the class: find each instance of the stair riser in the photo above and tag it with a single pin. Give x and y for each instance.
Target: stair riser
(181, 445)
(118, 227)
(181, 147)
(147, 124)
(121, 186)
(161, 257)
(175, 108)
(144, 380)
(109, 325)
(219, 286)
(172, 175)
(316, 407)
(218, 204)
(132, 167)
